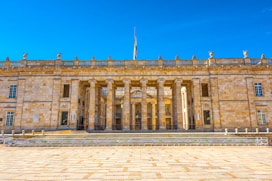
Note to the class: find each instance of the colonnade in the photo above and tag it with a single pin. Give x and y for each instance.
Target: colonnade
(157, 118)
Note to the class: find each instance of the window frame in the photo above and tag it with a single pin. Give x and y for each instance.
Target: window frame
(66, 91)
(62, 120)
(206, 85)
(12, 91)
(261, 117)
(258, 88)
(207, 120)
(9, 118)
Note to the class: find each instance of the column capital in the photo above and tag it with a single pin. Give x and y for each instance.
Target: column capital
(126, 81)
(109, 81)
(92, 82)
(178, 81)
(143, 81)
(161, 81)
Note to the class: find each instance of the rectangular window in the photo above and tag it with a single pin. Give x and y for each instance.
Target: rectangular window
(205, 90)
(258, 89)
(207, 118)
(261, 117)
(12, 91)
(9, 120)
(66, 90)
(64, 118)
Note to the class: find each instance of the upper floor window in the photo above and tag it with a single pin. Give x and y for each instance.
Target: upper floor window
(205, 90)
(9, 119)
(12, 91)
(66, 90)
(261, 117)
(258, 89)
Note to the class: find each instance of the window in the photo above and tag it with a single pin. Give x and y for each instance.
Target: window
(12, 91)
(205, 90)
(207, 118)
(258, 89)
(66, 89)
(64, 118)
(9, 120)
(261, 117)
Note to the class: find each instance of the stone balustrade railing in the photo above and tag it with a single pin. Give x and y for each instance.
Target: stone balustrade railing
(135, 63)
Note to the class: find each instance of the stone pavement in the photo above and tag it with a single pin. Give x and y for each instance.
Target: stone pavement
(136, 163)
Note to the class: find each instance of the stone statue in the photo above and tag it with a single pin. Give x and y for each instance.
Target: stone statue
(211, 54)
(24, 56)
(59, 56)
(262, 56)
(245, 52)
(194, 57)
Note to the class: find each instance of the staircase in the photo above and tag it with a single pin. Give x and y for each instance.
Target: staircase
(83, 139)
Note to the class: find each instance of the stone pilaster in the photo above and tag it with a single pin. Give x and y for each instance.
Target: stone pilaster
(19, 104)
(74, 104)
(110, 100)
(92, 105)
(178, 103)
(133, 121)
(154, 124)
(144, 104)
(215, 117)
(197, 106)
(161, 105)
(54, 121)
(251, 105)
(126, 105)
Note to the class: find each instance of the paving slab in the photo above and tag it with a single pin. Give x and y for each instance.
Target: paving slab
(136, 163)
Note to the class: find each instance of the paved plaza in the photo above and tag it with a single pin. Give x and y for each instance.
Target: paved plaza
(136, 163)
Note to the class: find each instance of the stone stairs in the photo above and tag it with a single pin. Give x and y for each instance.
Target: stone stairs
(82, 139)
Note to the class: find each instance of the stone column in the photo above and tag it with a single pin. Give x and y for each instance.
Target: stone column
(161, 105)
(126, 105)
(178, 103)
(215, 103)
(110, 101)
(92, 104)
(97, 105)
(74, 103)
(144, 104)
(17, 124)
(133, 122)
(197, 105)
(54, 121)
(154, 125)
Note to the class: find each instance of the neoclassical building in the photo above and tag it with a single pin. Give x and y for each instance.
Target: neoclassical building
(143, 95)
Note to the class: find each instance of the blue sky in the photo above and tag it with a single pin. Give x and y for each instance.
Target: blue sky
(103, 28)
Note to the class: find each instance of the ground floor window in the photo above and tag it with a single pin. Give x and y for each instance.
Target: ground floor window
(261, 117)
(64, 118)
(9, 120)
(207, 118)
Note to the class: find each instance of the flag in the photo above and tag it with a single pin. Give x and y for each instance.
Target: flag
(135, 45)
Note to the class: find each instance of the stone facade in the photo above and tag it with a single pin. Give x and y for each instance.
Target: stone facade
(202, 95)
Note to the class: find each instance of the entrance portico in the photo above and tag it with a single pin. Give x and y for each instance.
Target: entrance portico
(129, 104)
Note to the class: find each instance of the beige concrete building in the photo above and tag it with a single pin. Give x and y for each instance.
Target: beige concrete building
(146, 95)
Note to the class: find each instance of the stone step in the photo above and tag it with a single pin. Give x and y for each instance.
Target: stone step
(136, 141)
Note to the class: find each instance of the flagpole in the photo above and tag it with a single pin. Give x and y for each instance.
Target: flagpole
(135, 45)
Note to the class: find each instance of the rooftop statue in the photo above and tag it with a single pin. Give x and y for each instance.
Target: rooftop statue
(245, 52)
(211, 54)
(24, 56)
(59, 56)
